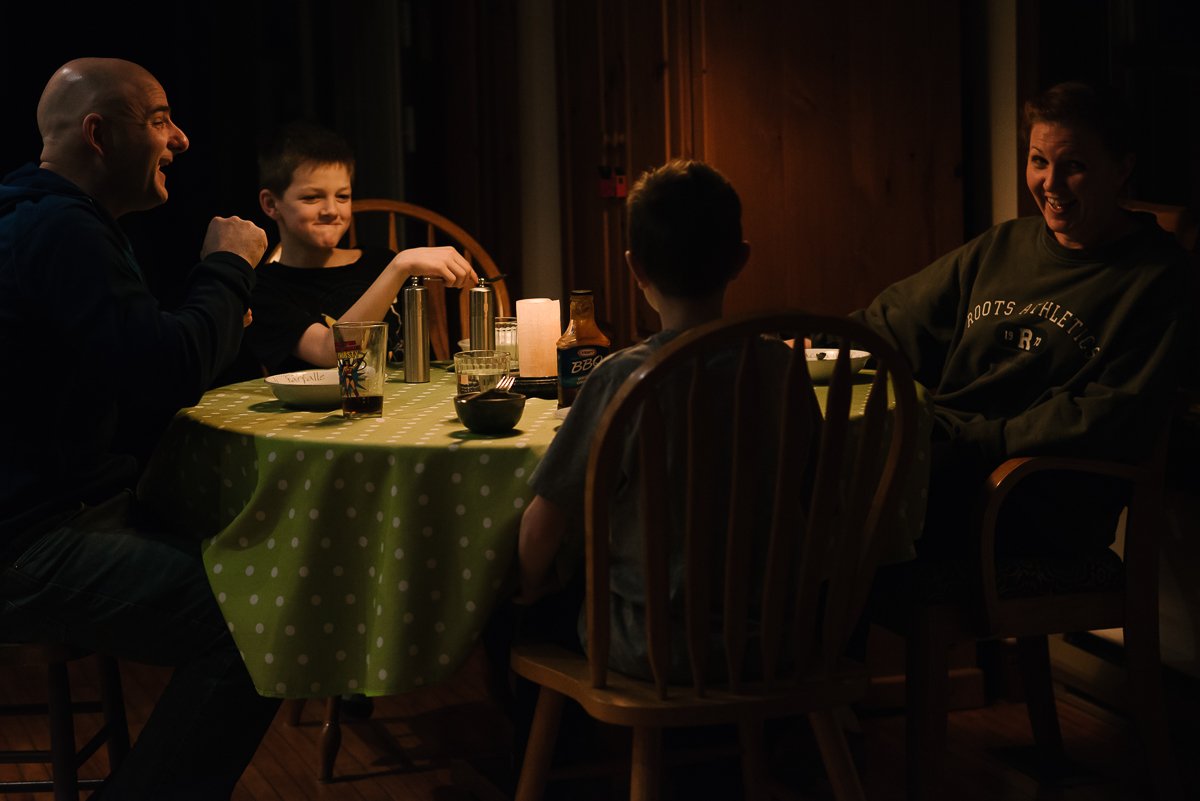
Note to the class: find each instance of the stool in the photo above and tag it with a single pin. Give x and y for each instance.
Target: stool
(63, 757)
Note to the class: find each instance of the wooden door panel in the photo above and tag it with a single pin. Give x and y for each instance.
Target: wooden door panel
(839, 124)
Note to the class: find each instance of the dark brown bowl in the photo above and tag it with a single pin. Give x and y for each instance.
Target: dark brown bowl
(491, 412)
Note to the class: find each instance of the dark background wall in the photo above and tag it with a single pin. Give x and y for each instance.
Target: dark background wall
(409, 84)
(221, 83)
(426, 91)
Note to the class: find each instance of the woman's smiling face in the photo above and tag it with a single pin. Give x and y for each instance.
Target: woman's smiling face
(1075, 181)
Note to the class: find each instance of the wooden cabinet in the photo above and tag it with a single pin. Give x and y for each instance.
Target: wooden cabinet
(838, 123)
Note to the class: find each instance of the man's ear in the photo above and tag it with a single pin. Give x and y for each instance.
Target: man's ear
(95, 133)
(639, 273)
(266, 199)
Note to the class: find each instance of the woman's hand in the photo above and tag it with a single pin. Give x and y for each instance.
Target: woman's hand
(436, 262)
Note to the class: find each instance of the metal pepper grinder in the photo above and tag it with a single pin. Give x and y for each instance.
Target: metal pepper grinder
(416, 332)
(482, 316)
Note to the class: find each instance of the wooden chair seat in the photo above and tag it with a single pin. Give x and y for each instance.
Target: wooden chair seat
(63, 756)
(995, 598)
(628, 701)
(950, 581)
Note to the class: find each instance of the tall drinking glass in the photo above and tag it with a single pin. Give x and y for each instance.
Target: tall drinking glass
(506, 339)
(362, 358)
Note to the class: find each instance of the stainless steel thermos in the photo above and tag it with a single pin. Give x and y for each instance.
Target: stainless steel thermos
(482, 317)
(416, 332)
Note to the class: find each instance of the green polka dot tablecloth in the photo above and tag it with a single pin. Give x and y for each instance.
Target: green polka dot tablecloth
(349, 555)
(365, 555)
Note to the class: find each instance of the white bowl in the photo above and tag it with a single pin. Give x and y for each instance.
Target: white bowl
(307, 388)
(822, 360)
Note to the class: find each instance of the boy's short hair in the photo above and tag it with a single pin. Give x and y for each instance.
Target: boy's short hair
(298, 143)
(685, 228)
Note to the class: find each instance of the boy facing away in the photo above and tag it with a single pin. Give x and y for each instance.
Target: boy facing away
(685, 246)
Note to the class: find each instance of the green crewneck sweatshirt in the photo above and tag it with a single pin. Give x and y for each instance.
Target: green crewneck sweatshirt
(1032, 348)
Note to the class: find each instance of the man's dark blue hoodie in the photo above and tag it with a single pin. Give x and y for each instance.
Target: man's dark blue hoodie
(94, 367)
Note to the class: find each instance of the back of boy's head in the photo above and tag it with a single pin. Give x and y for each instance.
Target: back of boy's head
(296, 144)
(685, 228)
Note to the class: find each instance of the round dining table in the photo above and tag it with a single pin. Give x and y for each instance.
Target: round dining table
(348, 556)
(365, 555)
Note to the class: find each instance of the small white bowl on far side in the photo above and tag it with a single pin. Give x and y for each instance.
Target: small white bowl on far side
(307, 389)
(822, 360)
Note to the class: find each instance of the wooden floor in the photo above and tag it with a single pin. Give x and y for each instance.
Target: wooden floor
(451, 743)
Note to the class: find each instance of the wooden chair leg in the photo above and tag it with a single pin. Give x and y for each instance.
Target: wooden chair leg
(926, 685)
(835, 754)
(62, 733)
(1033, 656)
(645, 777)
(754, 761)
(331, 736)
(539, 751)
(112, 701)
(1143, 662)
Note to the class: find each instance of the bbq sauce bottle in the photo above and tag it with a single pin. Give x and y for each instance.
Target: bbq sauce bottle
(580, 348)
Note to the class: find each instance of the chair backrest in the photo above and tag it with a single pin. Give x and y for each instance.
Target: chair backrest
(773, 513)
(1180, 221)
(1176, 220)
(406, 225)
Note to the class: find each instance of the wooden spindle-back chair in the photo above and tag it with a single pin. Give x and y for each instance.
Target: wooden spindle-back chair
(771, 591)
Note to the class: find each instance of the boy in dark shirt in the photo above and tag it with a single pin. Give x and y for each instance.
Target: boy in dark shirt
(306, 175)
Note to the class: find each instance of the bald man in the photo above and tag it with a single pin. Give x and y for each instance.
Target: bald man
(97, 370)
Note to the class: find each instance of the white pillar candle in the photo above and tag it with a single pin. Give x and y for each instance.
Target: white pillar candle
(538, 330)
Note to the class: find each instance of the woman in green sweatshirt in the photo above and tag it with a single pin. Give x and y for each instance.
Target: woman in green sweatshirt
(1059, 334)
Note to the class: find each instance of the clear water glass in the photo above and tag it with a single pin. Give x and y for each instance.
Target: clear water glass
(506, 339)
(479, 370)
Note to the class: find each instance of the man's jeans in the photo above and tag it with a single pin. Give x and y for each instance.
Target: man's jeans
(95, 580)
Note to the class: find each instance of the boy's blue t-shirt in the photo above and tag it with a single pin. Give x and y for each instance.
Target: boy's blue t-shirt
(561, 475)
